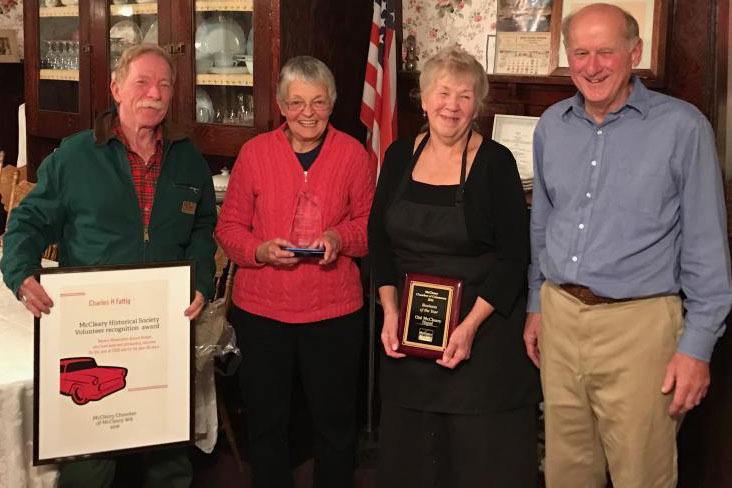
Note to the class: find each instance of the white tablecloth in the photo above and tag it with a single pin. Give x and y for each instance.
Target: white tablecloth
(16, 398)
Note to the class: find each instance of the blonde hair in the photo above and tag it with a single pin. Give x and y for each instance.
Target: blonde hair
(130, 54)
(457, 61)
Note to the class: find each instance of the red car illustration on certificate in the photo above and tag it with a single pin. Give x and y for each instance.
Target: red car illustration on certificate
(83, 380)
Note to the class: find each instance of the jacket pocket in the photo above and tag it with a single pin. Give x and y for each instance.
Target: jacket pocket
(184, 202)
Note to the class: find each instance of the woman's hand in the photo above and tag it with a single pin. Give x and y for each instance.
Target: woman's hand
(271, 252)
(459, 345)
(461, 339)
(331, 242)
(389, 337)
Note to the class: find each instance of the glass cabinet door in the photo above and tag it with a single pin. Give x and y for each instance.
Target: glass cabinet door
(224, 62)
(129, 24)
(58, 56)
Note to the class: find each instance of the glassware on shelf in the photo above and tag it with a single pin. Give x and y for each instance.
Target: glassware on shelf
(231, 118)
(204, 107)
(244, 108)
(203, 115)
(54, 56)
(46, 55)
(74, 55)
(66, 61)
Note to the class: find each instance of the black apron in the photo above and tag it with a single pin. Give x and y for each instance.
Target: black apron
(433, 239)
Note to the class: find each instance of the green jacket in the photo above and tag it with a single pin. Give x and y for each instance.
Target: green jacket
(85, 201)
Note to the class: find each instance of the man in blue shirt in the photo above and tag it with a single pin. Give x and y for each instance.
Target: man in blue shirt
(628, 212)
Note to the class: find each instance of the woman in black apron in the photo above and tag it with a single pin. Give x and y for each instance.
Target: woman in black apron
(450, 203)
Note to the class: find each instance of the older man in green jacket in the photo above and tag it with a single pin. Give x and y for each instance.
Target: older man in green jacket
(130, 191)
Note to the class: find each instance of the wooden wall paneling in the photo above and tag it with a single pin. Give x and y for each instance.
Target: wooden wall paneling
(11, 79)
(721, 84)
(689, 68)
(38, 149)
(337, 33)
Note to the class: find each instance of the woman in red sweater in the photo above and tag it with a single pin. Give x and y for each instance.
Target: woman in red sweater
(294, 220)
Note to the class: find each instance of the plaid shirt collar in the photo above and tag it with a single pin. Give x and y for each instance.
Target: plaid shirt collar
(144, 174)
(120, 135)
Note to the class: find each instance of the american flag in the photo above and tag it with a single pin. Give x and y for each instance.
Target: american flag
(378, 105)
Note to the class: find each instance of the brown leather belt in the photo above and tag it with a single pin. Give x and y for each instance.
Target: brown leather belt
(585, 295)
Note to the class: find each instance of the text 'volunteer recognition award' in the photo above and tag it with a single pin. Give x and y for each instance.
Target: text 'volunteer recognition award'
(430, 310)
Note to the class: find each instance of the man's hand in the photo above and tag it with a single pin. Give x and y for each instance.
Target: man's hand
(532, 331)
(331, 241)
(34, 297)
(459, 346)
(389, 337)
(689, 378)
(271, 252)
(196, 306)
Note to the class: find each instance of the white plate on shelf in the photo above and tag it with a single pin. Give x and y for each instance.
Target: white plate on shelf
(126, 30)
(151, 36)
(220, 38)
(228, 70)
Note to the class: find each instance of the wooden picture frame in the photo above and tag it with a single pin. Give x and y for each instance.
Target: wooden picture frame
(652, 17)
(9, 46)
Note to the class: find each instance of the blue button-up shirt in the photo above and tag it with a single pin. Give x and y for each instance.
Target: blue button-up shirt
(633, 207)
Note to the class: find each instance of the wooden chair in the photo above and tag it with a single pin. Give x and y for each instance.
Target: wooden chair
(225, 269)
(17, 190)
(10, 176)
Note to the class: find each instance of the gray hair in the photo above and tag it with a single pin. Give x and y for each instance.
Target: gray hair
(632, 31)
(455, 60)
(122, 68)
(309, 70)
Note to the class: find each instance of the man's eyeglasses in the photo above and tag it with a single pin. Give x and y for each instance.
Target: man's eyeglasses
(297, 106)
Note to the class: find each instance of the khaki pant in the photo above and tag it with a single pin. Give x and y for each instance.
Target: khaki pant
(602, 368)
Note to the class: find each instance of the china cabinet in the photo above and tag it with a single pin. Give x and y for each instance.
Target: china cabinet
(224, 51)
(227, 55)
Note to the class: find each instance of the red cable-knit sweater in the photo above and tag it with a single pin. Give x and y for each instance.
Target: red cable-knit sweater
(260, 205)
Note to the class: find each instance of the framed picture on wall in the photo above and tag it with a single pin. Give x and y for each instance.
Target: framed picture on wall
(9, 46)
(652, 21)
(523, 37)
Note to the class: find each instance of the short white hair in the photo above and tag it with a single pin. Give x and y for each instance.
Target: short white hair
(309, 70)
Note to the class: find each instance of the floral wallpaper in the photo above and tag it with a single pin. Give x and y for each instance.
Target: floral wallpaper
(11, 17)
(439, 23)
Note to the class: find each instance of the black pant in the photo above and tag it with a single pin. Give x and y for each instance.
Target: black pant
(327, 355)
(420, 449)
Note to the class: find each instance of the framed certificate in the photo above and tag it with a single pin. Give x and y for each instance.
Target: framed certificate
(516, 132)
(430, 310)
(113, 361)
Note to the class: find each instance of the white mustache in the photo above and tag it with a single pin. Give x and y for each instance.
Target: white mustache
(150, 104)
